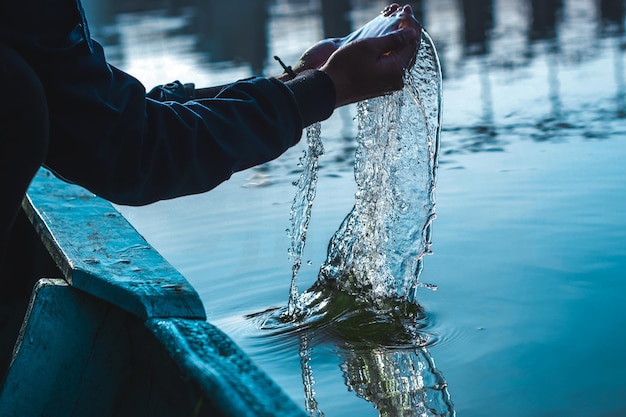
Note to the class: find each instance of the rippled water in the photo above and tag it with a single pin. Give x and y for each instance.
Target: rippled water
(528, 245)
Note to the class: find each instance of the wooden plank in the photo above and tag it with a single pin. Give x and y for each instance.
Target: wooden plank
(70, 358)
(100, 253)
(124, 333)
(226, 375)
(80, 356)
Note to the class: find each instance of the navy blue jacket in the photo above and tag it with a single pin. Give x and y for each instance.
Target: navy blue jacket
(107, 135)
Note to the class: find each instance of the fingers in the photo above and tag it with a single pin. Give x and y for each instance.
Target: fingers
(394, 7)
(395, 41)
(396, 53)
(389, 10)
(370, 67)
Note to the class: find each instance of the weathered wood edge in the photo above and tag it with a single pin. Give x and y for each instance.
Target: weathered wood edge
(78, 355)
(225, 373)
(101, 253)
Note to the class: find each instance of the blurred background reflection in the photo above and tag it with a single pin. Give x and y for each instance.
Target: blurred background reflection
(529, 242)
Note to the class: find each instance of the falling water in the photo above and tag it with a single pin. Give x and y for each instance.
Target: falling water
(301, 208)
(377, 252)
(365, 294)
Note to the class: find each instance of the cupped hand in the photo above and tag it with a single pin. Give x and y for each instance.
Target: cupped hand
(371, 67)
(392, 18)
(317, 55)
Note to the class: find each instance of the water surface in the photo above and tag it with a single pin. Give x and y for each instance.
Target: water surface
(528, 244)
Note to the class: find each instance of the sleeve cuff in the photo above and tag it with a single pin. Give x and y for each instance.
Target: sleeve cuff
(315, 95)
(174, 91)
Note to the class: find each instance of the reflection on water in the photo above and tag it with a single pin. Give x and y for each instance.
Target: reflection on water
(520, 74)
(477, 23)
(384, 352)
(401, 383)
(213, 44)
(243, 38)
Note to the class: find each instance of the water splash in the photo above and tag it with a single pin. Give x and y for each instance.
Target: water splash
(377, 252)
(301, 208)
(365, 297)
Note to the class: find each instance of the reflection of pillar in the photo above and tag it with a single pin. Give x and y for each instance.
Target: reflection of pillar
(336, 21)
(612, 13)
(478, 19)
(553, 81)
(544, 19)
(488, 130)
(545, 15)
(226, 37)
(620, 97)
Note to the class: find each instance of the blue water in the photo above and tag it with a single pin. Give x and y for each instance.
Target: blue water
(529, 242)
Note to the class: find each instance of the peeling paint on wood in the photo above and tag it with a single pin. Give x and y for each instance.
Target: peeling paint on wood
(100, 253)
(123, 333)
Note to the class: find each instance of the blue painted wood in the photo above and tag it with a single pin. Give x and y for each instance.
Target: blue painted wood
(123, 333)
(100, 253)
(80, 356)
(69, 359)
(236, 386)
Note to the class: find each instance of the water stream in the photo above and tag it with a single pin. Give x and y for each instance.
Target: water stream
(365, 297)
(376, 254)
(301, 208)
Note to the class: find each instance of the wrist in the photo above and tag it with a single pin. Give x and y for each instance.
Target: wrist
(284, 77)
(340, 83)
(289, 73)
(314, 92)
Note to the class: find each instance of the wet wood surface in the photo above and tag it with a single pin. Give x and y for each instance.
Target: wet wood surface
(100, 253)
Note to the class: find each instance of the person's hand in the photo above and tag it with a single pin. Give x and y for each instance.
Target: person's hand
(392, 18)
(317, 55)
(370, 67)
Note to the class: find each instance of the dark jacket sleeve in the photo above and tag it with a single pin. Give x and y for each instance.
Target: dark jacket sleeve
(109, 137)
(204, 141)
(314, 92)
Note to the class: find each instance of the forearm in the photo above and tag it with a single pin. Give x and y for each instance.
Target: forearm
(211, 92)
(248, 123)
(181, 93)
(314, 92)
(189, 148)
(136, 150)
